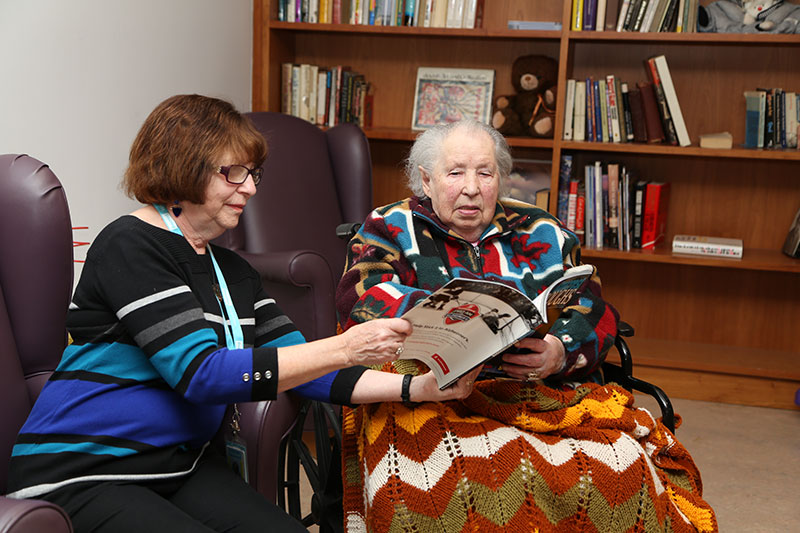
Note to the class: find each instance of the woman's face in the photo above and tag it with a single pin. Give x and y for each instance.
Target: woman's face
(224, 201)
(464, 184)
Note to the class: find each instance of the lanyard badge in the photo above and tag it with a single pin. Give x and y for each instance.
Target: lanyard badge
(235, 446)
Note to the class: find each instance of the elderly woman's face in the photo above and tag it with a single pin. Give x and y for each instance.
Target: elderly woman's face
(464, 184)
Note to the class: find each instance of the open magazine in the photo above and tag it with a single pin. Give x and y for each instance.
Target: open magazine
(467, 321)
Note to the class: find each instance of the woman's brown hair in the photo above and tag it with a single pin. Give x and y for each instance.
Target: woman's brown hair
(178, 148)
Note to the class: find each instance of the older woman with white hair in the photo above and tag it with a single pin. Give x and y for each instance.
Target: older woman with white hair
(545, 448)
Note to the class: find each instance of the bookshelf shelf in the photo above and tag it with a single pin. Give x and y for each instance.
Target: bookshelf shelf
(687, 151)
(720, 325)
(752, 259)
(480, 33)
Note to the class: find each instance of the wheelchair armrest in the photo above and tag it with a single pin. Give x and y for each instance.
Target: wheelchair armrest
(19, 516)
(623, 375)
(347, 230)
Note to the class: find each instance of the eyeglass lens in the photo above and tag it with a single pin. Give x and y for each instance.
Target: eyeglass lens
(238, 174)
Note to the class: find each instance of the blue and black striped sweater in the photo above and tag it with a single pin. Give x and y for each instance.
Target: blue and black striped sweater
(145, 383)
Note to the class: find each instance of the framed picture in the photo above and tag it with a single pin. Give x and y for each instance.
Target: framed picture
(444, 95)
(529, 181)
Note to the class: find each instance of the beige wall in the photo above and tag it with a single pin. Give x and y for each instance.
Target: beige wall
(79, 77)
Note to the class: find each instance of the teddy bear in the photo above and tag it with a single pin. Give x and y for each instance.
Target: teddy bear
(531, 110)
(756, 10)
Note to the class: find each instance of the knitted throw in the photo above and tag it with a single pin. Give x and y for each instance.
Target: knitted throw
(516, 457)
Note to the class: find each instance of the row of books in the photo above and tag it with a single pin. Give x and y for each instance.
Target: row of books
(608, 110)
(772, 118)
(326, 96)
(635, 15)
(420, 13)
(607, 208)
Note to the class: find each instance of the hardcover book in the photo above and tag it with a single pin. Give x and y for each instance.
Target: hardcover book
(652, 116)
(467, 322)
(444, 95)
(671, 96)
(702, 245)
(656, 208)
(754, 118)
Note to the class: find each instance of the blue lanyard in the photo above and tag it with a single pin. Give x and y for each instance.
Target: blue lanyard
(234, 338)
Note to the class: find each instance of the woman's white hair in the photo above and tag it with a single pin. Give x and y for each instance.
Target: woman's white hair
(427, 148)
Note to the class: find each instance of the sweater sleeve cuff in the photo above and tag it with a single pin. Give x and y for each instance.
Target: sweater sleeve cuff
(343, 384)
(264, 378)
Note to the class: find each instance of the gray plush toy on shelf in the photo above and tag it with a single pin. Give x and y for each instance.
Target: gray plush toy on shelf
(752, 16)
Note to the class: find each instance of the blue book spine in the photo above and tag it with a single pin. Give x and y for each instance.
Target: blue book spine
(598, 112)
(589, 14)
(589, 110)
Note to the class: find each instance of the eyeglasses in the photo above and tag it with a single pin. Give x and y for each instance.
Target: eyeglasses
(237, 174)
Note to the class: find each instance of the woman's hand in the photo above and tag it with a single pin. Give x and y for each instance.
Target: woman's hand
(544, 358)
(375, 342)
(425, 389)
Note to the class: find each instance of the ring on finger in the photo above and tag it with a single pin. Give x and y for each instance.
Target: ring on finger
(532, 375)
(399, 350)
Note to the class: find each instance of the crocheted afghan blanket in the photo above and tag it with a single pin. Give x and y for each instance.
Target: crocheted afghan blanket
(518, 457)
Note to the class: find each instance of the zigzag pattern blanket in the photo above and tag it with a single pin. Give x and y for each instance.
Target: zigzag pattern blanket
(519, 457)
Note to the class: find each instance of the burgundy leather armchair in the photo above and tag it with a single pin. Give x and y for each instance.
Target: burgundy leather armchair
(314, 181)
(35, 288)
(36, 277)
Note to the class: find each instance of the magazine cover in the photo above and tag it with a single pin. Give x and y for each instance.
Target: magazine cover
(444, 95)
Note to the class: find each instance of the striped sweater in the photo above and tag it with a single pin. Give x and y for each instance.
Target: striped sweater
(145, 383)
(403, 252)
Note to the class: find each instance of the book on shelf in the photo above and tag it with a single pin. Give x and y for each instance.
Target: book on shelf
(580, 214)
(444, 95)
(638, 122)
(612, 11)
(639, 194)
(622, 14)
(613, 237)
(455, 13)
(667, 124)
(626, 113)
(572, 205)
(577, 15)
(769, 118)
(702, 245)
(569, 110)
(602, 114)
(589, 15)
(656, 210)
(564, 179)
(528, 180)
(755, 102)
(649, 15)
(792, 120)
(637, 22)
(467, 322)
(579, 124)
(716, 140)
(600, 20)
(652, 115)
(539, 25)
(620, 105)
(676, 115)
(613, 108)
(791, 246)
(590, 112)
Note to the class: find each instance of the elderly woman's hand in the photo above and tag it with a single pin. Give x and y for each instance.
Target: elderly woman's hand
(376, 342)
(537, 358)
(424, 388)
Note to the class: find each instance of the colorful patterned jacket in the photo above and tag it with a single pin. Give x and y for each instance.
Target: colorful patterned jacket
(403, 252)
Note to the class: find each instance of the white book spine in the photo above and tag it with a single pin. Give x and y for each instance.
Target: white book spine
(698, 245)
(598, 205)
(569, 110)
(649, 15)
(579, 124)
(672, 101)
(322, 80)
(455, 13)
(601, 16)
(623, 12)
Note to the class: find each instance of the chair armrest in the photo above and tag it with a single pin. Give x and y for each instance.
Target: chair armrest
(301, 268)
(263, 426)
(22, 516)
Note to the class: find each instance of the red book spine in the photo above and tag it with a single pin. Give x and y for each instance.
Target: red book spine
(656, 207)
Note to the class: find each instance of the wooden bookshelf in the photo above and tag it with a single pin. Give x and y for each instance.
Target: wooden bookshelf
(706, 328)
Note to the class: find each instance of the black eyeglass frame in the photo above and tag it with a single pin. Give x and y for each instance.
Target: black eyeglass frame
(257, 173)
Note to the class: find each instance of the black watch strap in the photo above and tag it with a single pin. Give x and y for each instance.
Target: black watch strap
(405, 391)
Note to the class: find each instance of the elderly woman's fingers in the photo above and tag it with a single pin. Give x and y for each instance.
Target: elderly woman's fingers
(377, 341)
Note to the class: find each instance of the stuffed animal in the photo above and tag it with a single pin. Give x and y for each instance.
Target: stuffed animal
(531, 110)
(756, 10)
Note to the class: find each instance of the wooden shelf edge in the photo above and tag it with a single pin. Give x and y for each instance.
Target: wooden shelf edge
(688, 38)
(407, 134)
(713, 358)
(477, 33)
(753, 259)
(693, 151)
